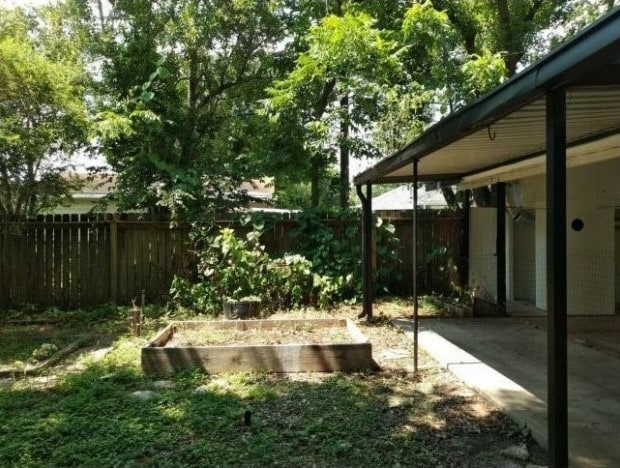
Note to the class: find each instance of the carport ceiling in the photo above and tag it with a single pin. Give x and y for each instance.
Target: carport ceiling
(508, 126)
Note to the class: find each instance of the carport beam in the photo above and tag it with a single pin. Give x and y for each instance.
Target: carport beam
(367, 277)
(414, 248)
(500, 248)
(556, 278)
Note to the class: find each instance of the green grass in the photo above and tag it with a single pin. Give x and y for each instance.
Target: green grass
(20, 347)
(90, 418)
(53, 326)
(87, 420)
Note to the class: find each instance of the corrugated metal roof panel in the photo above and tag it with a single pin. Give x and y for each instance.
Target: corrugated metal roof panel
(590, 112)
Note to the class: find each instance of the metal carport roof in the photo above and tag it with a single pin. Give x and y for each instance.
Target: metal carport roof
(507, 126)
(563, 110)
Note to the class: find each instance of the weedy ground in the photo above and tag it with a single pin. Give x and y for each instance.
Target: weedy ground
(83, 411)
(300, 333)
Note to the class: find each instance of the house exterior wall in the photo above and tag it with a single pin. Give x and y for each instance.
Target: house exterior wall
(81, 206)
(482, 253)
(593, 192)
(523, 258)
(482, 259)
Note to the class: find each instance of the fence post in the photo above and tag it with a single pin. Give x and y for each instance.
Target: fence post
(113, 260)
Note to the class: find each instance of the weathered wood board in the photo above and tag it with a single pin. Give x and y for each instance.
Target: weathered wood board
(158, 359)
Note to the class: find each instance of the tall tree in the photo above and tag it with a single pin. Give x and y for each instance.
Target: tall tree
(42, 120)
(458, 51)
(180, 82)
(334, 89)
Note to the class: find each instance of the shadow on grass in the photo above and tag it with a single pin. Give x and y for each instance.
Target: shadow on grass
(92, 418)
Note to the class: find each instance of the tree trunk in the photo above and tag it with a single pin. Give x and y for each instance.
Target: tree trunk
(315, 177)
(316, 162)
(344, 152)
(463, 25)
(506, 36)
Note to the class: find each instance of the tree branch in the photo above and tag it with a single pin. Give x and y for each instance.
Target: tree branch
(324, 98)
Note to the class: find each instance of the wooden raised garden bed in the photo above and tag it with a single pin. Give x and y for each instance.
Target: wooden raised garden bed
(313, 345)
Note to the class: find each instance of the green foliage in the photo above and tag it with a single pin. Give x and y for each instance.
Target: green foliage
(336, 82)
(42, 121)
(235, 267)
(30, 312)
(43, 352)
(483, 72)
(176, 94)
(231, 267)
(324, 268)
(293, 282)
(405, 116)
(334, 249)
(462, 49)
(298, 195)
(86, 414)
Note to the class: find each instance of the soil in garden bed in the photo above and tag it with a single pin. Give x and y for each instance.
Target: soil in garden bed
(301, 333)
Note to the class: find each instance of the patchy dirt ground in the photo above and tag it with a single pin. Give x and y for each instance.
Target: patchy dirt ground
(300, 333)
(393, 417)
(460, 424)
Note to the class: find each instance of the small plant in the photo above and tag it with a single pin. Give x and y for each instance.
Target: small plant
(235, 266)
(43, 352)
(291, 281)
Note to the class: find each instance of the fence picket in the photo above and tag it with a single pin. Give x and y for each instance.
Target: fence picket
(65, 261)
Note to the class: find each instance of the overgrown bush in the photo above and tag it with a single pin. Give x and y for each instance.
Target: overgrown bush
(335, 250)
(231, 267)
(326, 267)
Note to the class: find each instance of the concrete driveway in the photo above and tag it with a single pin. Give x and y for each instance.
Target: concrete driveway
(505, 359)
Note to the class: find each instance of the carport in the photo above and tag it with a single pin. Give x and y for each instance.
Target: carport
(563, 111)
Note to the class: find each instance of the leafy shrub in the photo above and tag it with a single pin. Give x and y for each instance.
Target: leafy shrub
(326, 267)
(43, 352)
(335, 250)
(291, 280)
(235, 267)
(231, 267)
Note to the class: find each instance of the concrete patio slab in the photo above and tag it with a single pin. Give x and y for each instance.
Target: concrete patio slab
(505, 359)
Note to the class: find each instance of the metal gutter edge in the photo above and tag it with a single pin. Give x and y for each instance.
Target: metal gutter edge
(594, 46)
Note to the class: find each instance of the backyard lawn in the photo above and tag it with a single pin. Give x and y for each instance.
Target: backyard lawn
(95, 407)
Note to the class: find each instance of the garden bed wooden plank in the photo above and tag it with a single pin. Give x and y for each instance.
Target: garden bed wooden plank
(158, 359)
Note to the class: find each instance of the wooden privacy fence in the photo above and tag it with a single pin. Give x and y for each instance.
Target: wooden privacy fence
(442, 253)
(86, 260)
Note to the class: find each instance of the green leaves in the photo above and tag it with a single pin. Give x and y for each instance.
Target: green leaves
(334, 91)
(483, 72)
(178, 88)
(42, 120)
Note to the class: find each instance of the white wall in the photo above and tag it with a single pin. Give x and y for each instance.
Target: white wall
(523, 258)
(482, 259)
(81, 206)
(593, 191)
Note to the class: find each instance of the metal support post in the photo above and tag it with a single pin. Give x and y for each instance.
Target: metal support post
(556, 279)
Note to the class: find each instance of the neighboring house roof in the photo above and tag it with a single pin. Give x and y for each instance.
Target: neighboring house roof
(401, 199)
(505, 129)
(259, 189)
(95, 187)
